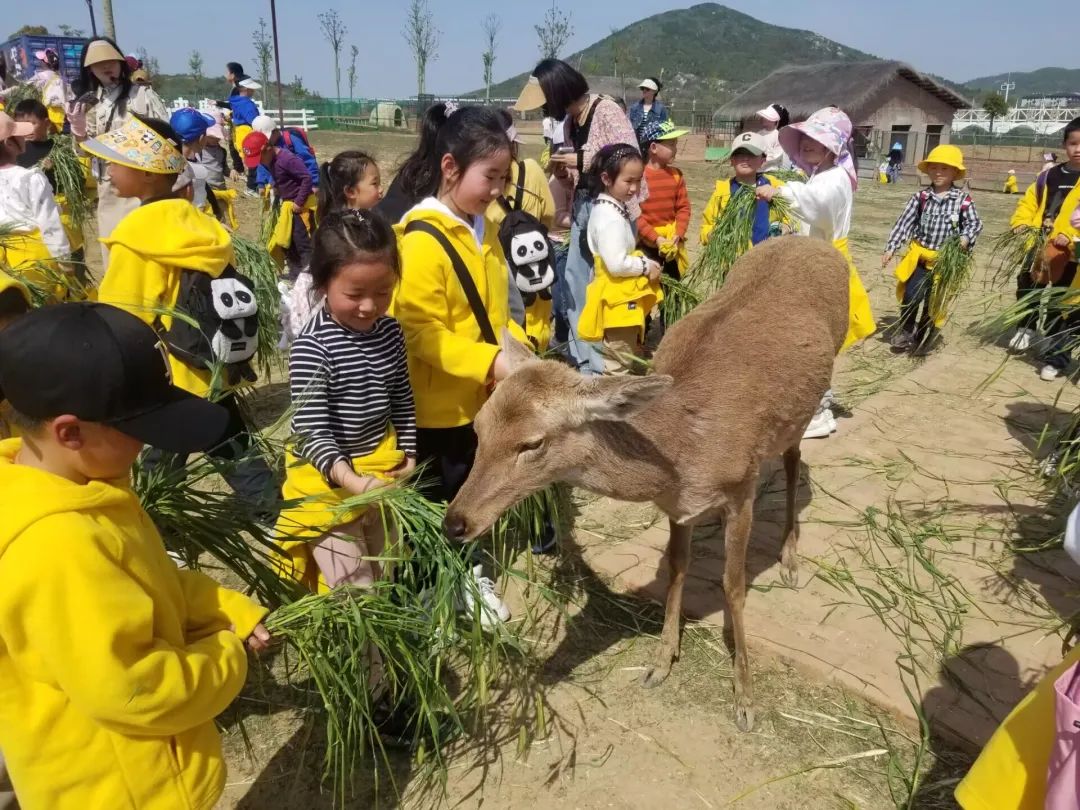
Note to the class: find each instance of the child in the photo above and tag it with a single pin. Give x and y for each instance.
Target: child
(27, 206)
(37, 151)
(115, 662)
(292, 138)
(191, 126)
(626, 284)
(748, 156)
(821, 148)
(1038, 208)
(150, 251)
(349, 182)
(355, 420)
(292, 184)
(665, 215)
(927, 221)
(244, 113)
(1010, 183)
(454, 356)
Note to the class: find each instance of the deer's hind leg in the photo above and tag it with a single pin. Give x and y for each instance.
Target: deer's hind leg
(789, 560)
(678, 555)
(740, 515)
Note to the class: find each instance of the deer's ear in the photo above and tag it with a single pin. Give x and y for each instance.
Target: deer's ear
(517, 353)
(613, 399)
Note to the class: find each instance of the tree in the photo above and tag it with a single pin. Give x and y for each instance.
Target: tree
(996, 107)
(554, 32)
(195, 65)
(149, 63)
(423, 38)
(334, 31)
(110, 21)
(69, 31)
(622, 53)
(491, 25)
(264, 53)
(31, 31)
(353, 53)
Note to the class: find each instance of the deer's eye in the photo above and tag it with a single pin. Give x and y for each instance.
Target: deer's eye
(528, 447)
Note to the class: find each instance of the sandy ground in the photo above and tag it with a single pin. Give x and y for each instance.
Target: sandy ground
(906, 513)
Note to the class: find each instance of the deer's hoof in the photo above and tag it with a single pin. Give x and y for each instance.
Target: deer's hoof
(744, 718)
(655, 675)
(789, 574)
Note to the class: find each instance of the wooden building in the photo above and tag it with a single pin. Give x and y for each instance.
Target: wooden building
(887, 102)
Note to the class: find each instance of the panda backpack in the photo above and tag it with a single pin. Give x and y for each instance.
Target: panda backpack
(525, 243)
(227, 317)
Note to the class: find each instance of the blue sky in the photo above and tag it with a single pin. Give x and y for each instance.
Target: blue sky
(960, 39)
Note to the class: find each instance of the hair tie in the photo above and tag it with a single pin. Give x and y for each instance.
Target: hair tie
(449, 108)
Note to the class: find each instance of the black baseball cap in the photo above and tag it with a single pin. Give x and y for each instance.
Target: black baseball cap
(103, 364)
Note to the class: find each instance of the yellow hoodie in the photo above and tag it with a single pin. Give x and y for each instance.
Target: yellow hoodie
(448, 359)
(113, 662)
(148, 252)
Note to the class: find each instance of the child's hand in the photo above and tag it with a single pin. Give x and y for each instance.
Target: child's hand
(500, 369)
(652, 271)
(766, 193)
(886, 257)
(259, 640)
(1061, 241)
(965, 243)
(661, 241)
(362, 484)
(235, 176)
(403, 469)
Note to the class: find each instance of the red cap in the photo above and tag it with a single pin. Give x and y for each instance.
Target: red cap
(253, 145)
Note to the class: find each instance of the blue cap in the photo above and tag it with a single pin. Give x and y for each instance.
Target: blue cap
(189, 124)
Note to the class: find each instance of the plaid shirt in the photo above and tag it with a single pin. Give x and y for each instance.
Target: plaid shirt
(940, 217)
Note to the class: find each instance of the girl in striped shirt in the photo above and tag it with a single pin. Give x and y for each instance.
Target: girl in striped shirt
(355, 422)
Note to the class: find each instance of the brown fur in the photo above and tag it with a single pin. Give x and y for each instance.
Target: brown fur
(735, 383)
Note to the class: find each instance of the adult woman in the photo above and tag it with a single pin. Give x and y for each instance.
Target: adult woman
(594, 122)
(106, 76)
(771, 120)
(650, 109)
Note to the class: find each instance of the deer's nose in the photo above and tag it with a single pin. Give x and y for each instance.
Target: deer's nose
(455, 527)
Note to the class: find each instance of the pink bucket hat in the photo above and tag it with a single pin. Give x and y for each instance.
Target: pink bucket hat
(831, 128)
(216, 130)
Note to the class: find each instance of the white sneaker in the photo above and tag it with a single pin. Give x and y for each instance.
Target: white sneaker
(820, 426)
(251, 194)
(1049, 373)
(492, 609)
(1021, 341)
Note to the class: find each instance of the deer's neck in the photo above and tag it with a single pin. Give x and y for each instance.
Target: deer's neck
(625, 460)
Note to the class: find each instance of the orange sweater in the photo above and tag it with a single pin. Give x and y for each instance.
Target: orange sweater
(668, 202)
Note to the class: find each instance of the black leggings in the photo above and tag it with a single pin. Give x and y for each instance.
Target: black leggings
(449, 454)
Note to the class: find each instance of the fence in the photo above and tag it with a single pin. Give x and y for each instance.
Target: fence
(305, 118)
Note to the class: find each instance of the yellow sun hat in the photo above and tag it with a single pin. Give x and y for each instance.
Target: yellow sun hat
(947, 155)
(138, 146)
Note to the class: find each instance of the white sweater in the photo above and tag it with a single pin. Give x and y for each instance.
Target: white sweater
(823, 204)
(612, 239)
(27, 204)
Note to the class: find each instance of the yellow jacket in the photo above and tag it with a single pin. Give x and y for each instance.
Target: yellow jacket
(535, 200)
(719, 200)
(613, 302)
(147, 253)
(1010, 185)
(113, 662)
(1030, 208)
(449, 361)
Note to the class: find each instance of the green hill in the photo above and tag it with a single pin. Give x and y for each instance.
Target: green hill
(707, 51)
(1043, 80)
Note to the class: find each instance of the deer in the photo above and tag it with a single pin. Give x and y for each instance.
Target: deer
(733, 384)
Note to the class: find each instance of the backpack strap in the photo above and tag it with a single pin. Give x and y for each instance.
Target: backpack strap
(462, 272)
(519, 195)
(580, 135)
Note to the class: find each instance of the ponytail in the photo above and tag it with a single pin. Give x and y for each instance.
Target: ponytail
(343, 172)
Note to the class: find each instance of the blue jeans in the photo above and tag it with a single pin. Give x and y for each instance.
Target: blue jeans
(576, 277)
(558, 304)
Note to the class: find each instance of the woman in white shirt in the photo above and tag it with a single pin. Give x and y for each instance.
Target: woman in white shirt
(773, 118)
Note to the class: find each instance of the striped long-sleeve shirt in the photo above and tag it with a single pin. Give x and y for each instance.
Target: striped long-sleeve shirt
(931, 218)
(668, 202)
(347, 386)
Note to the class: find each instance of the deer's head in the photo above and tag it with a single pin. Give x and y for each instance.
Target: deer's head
(535, 430)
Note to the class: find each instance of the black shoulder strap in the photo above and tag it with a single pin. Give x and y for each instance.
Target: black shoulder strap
(519, 195)
(466, 280)
(580, 135)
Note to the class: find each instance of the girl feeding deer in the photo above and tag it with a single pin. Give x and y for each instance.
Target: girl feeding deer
(820, 147)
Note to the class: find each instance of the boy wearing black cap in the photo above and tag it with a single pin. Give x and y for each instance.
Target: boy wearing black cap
(113, 661)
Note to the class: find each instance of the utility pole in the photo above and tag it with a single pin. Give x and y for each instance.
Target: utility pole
(93, 22)
(110, 21)
(277, 64)
(1008, 85)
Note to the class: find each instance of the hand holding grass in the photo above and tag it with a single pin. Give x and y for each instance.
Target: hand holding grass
(259, 640)
(347, 478)
(1061, 241)
(766, 193)
(404, 469)
(886, 257)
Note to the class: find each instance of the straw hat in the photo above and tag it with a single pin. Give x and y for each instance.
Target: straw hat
(139, 147)
(948, 155)
(532, 96)
(100, 51)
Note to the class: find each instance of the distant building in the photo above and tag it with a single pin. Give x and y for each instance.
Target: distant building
(1059, 100)
(888, 102)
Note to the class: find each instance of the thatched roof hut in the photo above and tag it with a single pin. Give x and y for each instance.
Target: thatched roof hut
(885, 100)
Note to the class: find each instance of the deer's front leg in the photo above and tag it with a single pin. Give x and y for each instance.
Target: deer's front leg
(678, 555)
